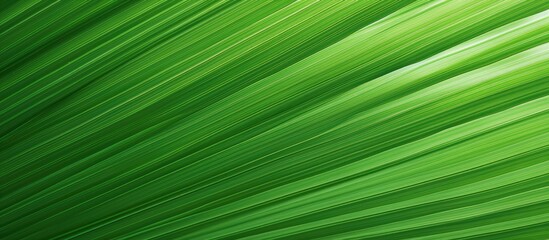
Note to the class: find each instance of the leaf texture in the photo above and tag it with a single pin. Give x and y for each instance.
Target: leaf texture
(248, 119)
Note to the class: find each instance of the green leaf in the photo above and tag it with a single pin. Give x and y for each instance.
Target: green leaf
(248, 119)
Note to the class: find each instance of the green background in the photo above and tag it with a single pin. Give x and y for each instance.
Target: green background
(258, 119)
